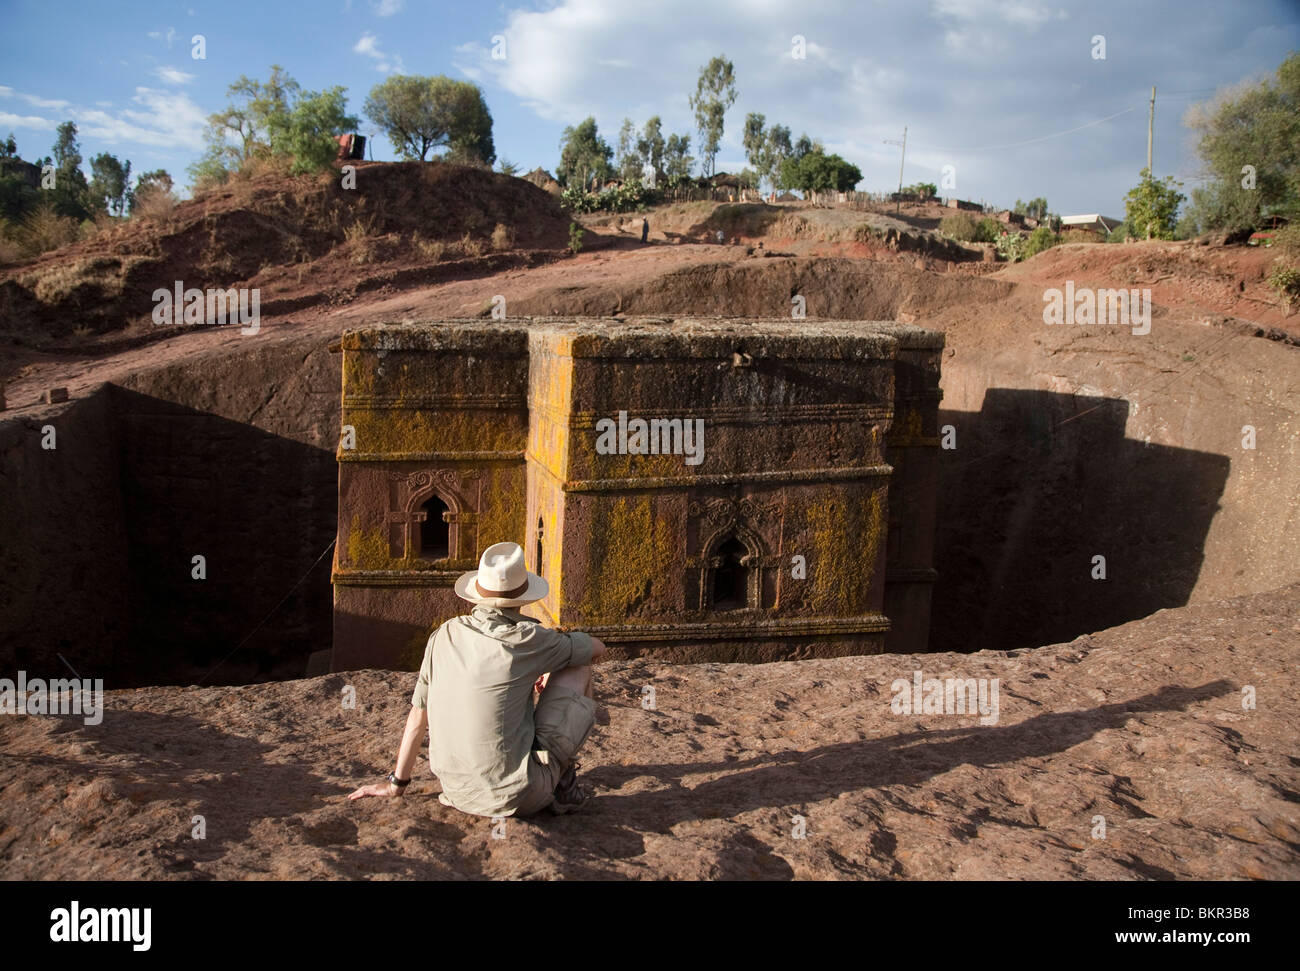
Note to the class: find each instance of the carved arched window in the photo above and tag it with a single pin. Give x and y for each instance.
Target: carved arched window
(435, 530)
(729, 583)
(537, 556)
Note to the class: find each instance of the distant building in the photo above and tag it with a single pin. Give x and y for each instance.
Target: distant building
(963, 204)
(544, 180)
(1095, 222)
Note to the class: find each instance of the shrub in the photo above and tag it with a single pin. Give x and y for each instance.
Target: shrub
(1120, 233)
(1287, 241)
(155, 204)
(430, 249)
(1040, 239)
(1011, 247)
(575, 238)
(1152, 206)
(502, 237)
(44, 229)
(959, 226)
(989, 230)
(631, 197)
(470, 247)
(357, 239)
(1286, 281)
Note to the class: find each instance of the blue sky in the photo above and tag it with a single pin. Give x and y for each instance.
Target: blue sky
(1008, 92)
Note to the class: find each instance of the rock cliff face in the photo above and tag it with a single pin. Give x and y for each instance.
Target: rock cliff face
(1176, 733)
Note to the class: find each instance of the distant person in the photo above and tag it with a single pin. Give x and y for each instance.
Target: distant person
(496, 749)
(720, 237)
(645, 230)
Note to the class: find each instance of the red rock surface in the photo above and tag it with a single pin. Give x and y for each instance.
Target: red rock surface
(1143, 724)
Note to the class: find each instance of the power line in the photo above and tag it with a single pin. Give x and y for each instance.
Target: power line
(1041, 138)
(271, 613)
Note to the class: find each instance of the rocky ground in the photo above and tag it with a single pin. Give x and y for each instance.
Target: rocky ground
(1148, 727)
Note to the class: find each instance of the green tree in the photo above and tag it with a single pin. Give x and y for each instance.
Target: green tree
(715, 92)
(815, 171)
(18, 197)
(150, 185)
(627, 158)
(1257, 127)
(307, 133)
(419, 114)
(110, 184)
(583, 155)
(755, 141)
(507, 167)
(651, 147)
(766, 148)
(272, 118)
(677, 159)
(1151, 207)
(70, 196)
(1034, 208)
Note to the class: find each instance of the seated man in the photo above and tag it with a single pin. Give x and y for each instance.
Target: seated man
(496, 753)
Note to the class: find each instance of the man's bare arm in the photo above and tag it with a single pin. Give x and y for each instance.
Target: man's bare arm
(416, 724)
(598, 647)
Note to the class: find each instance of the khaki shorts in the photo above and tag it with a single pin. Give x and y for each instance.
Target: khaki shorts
(563, 718)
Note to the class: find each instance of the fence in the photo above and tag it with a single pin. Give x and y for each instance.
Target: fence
(715, 194)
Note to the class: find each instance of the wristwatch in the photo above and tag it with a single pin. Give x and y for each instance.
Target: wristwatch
(400, 783)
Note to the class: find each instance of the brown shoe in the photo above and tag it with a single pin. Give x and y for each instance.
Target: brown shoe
(569, 793)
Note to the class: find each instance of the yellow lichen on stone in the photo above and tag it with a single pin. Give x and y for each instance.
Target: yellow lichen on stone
(846, 538)
(907, 430)
(367, 549)
(630, 551)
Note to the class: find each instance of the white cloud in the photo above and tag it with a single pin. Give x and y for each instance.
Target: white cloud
(172, 75)
(166, 119)
(368, 45)
(965, 76)
(33, 100)
(8, 120)
(159, 35)
(386, 8)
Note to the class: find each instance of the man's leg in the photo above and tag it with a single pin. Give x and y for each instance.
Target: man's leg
(577, 679)
(564, 717)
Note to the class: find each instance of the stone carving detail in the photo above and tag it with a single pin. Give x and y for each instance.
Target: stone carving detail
(417, 481)
(721, 513)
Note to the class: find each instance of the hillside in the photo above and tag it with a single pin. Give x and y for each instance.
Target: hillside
(302, 241)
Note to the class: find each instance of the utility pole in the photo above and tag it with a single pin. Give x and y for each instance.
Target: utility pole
(1151, 124)
(898, 202)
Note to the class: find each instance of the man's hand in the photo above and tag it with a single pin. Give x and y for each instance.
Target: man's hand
(378, 789)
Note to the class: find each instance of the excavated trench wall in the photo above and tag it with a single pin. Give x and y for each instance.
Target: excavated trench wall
(218, 459)
(233, 457)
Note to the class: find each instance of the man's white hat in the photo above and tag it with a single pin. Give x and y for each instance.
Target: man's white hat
(501, 579)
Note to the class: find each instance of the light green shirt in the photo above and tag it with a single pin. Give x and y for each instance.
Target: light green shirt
(477, 683)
